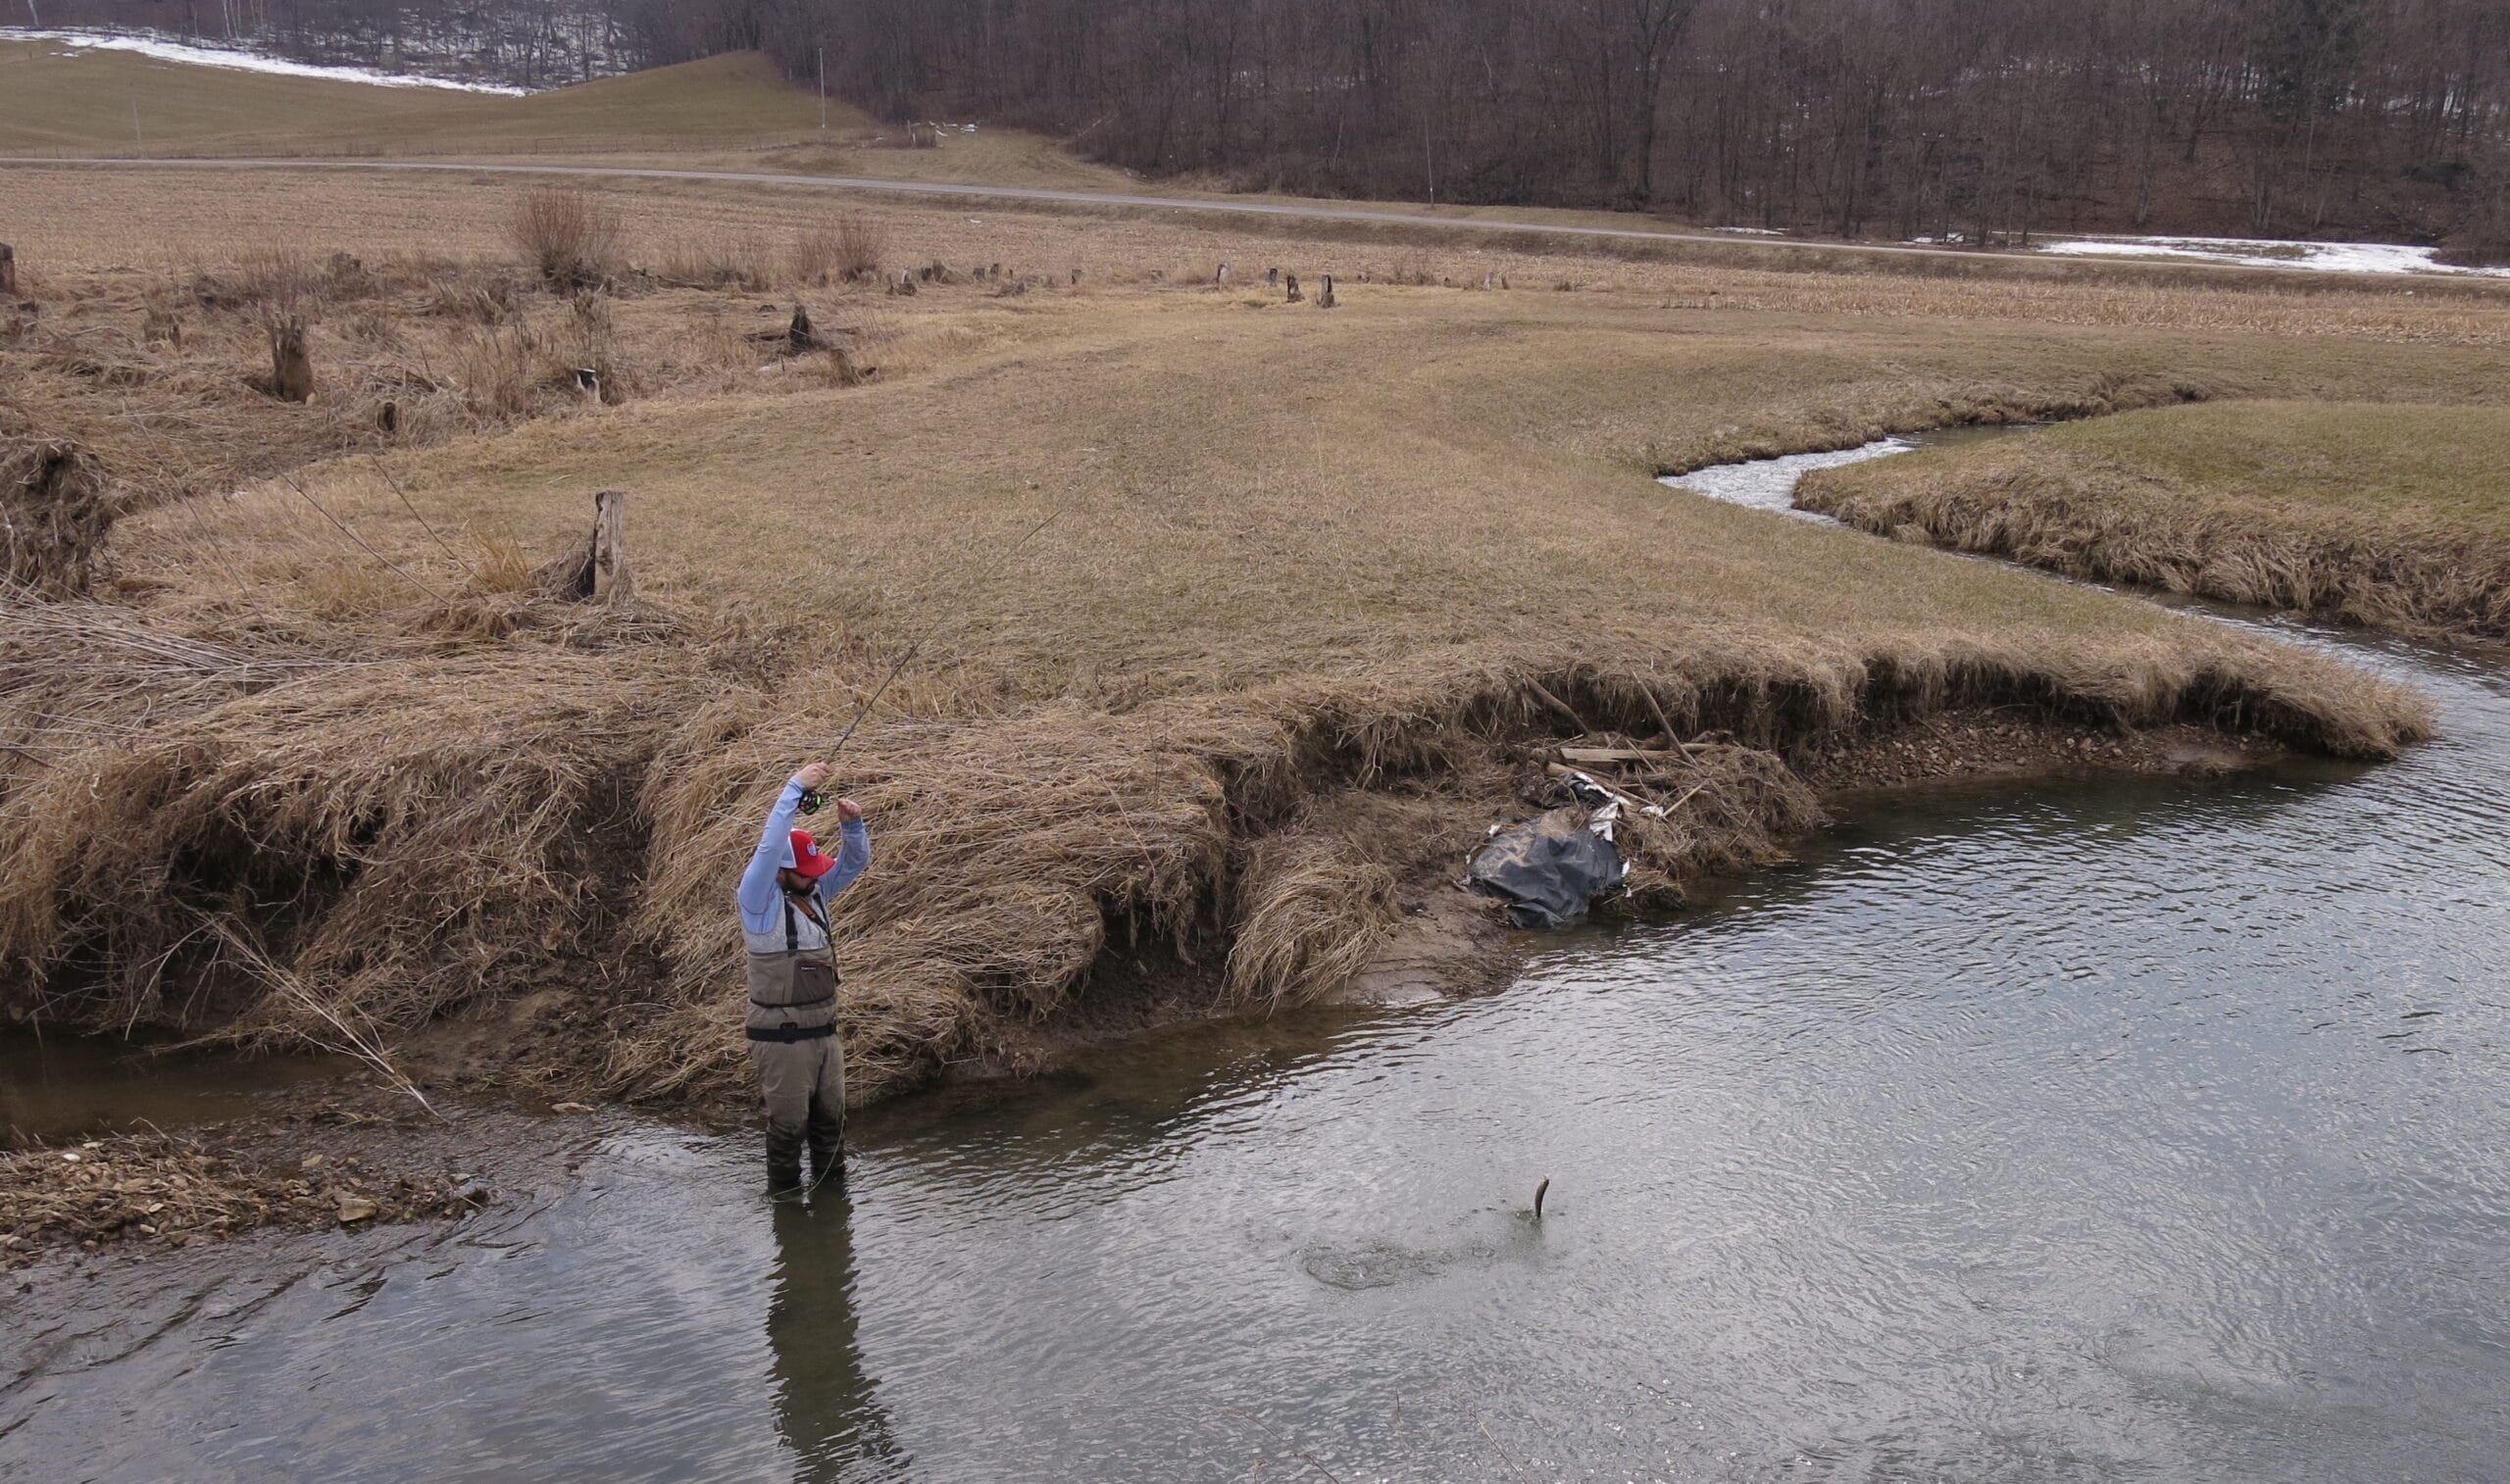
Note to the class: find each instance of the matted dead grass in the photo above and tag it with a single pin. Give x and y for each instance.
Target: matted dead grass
(1297, 556)
(2395, 515)
(161, 1190)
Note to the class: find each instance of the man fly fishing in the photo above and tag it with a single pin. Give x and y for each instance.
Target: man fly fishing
(783, 901)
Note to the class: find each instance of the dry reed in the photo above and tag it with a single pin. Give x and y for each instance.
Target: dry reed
(1314, 911)
(56, 510)
(569, 237)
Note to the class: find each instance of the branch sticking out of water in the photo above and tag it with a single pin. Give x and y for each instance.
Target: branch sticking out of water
(353, 1041)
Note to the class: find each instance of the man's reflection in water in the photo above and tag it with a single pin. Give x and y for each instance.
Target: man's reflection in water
(824, 1402)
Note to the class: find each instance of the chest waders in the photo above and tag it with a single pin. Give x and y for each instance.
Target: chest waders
(801, 1066)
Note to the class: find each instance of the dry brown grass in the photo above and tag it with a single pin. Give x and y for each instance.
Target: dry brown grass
(1314, 909)
(163, 374)
(81, 218)
(2386, 515)
(1304, 555)
(845, 248)
(55, 511)
(567, 235)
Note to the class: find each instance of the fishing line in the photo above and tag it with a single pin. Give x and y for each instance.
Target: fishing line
(813, 799)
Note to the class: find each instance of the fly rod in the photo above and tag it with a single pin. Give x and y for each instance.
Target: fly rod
(812, 799)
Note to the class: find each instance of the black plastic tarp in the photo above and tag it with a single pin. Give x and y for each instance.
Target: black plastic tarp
(1547, 870)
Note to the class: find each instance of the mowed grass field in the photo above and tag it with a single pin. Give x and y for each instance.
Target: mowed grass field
(55, 100)
(731, 112)
(2412, 460)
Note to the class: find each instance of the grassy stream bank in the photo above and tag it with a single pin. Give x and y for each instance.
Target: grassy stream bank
(2385, 513)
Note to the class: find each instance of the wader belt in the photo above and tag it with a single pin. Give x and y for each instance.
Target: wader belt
(788, 1034)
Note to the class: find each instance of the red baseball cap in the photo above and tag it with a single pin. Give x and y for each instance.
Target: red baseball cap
(803, 858)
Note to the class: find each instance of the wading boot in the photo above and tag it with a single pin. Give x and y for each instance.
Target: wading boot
(784, 1178)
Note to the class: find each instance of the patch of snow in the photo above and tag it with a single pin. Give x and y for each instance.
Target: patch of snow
(166, 49)
(1751, 231)
(2261, 251)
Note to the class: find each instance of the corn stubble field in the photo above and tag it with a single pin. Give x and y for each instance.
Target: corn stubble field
(313, 738)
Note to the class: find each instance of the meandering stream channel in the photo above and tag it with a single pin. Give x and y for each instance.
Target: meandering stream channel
(2102, 1129)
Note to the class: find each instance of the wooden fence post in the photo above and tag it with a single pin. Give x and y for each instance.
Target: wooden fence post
(8, 271)
(1325, 298)
(291, 368)
(611, 579)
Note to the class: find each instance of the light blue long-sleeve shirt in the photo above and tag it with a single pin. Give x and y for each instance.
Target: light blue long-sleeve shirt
(762, 901)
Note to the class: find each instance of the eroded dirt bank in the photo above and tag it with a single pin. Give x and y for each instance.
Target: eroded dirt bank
(512, 1078)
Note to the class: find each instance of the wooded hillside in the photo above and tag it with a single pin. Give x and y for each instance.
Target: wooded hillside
(2370, 117)
(2385, 119)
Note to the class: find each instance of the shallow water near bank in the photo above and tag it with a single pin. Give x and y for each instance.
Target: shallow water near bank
(57, 1088)
(2121, 1129)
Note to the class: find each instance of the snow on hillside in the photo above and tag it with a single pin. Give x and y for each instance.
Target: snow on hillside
(167, 49)
(2259, 252)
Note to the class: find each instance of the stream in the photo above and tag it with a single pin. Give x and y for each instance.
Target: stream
(2096, 1129)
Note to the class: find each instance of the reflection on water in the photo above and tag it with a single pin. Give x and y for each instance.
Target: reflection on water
(826, 1406)
(2132, 1131)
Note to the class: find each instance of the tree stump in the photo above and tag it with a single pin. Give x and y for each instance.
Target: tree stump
(1294, 295)
(1325, 299)
(388, 419)
(1272, 278)
(797, 336)
(611, 579)
(1221, 277)
(291, 368)
(598, 569)
(8, 271)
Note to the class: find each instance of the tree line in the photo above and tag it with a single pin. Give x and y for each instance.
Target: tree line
(1855, 117)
